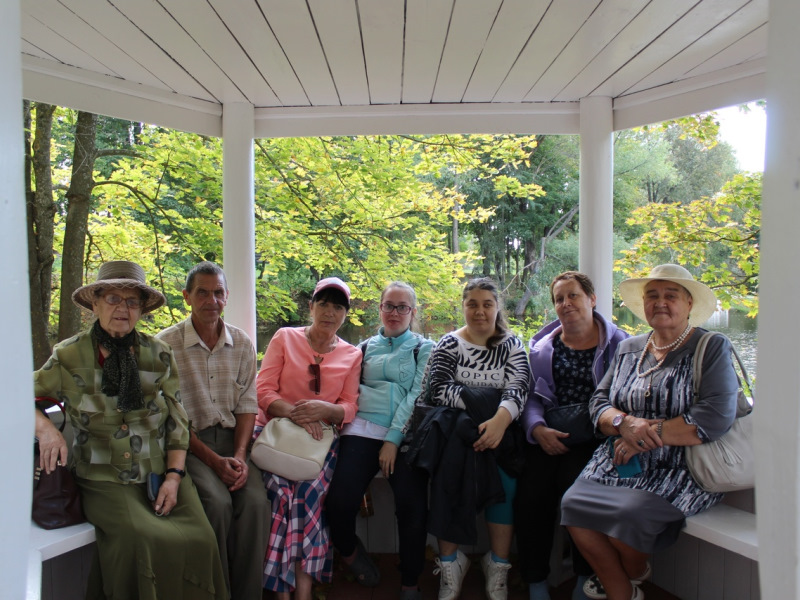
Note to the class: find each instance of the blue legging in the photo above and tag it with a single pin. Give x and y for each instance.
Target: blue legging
(503, 512)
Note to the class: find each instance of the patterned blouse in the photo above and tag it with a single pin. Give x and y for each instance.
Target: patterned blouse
(665, 394)
(455, 363)
(572, 373)
(109, 445)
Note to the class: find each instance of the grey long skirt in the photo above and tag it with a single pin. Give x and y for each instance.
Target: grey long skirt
(141, 556)
(642, 520)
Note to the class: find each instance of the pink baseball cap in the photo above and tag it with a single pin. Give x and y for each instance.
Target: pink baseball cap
(332, 282)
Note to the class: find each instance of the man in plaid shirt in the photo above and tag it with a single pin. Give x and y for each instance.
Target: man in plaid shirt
(217, 368)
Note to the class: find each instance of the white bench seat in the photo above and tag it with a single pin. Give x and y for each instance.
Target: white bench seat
(727, 527)
(45, 544)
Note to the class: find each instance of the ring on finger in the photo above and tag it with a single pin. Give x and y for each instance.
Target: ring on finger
(640, 443)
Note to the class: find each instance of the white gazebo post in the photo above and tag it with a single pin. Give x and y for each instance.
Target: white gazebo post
(596, 216)
(777, 412)
(17, 364)
(238, 215)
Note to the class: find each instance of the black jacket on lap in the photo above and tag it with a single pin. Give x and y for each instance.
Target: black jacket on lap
(463, 482)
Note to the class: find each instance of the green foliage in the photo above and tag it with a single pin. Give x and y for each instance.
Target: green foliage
(378, 208)
(715, 238)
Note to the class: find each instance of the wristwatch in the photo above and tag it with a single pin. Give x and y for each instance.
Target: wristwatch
(180, 472)
(616, 422)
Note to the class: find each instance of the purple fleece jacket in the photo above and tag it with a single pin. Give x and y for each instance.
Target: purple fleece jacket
(542, 392)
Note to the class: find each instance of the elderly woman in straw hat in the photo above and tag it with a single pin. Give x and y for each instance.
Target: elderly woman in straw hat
(636, 491)
(119, 388)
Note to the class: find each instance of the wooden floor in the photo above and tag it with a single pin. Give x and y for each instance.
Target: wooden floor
(344, 586)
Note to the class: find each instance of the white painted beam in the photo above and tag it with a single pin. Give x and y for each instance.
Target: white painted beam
(16, 368)
(777, 410)
(238, 216)
(596, 216)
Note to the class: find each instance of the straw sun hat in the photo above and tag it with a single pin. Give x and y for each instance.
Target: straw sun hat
(119, 274)
(704, 302)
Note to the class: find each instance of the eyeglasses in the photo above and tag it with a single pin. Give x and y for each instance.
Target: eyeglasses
(113, 300)
(402, 309)
(315, 384)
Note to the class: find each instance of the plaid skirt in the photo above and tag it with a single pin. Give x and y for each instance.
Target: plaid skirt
(299, 530)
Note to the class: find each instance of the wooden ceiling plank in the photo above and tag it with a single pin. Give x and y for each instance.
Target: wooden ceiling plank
(559, 24)
(205, 27)
(105, 18)
(748, 48)
(338, 27)
(515, 24)
(648, 25)
(469, 29)
(60, 18)
(382, 25)
(676, 37)
(31, 50)
(427, 23)
(55, 44)
(156, 23)
(731, 21)
(248, 26)
(297, 36)
(599, 30)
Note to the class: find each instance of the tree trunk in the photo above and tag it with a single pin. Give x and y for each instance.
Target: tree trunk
(79, 197)
(40, 210)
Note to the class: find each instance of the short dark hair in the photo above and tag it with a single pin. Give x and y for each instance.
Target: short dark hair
(501, 328)
(332, 295)
(582, 278)
(205, 268)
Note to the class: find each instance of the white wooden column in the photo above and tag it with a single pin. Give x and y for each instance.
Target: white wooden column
(16, 366)
(238, 215)
(596, 217)
(777, 411)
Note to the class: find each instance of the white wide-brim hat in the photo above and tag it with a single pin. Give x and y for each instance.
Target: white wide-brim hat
(118, 274)
(704, 302)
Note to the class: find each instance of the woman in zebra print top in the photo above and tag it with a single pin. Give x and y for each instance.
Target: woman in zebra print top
(482, 354)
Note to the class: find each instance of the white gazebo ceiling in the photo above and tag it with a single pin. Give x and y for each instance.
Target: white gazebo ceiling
(448, 64)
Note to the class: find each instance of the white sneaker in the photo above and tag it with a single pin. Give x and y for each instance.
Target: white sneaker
(453, 573)
(496, 577)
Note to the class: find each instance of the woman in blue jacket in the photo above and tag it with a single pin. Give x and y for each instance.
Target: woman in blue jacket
(391, 378)
(568, 358)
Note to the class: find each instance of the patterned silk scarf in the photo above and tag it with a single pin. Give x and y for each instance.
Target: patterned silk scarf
(120, 370)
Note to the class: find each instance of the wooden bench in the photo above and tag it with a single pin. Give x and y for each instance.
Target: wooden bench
(716, 555)
(45, 544)
(728, 527)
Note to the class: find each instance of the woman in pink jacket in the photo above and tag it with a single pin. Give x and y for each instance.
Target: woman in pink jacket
(311, 376)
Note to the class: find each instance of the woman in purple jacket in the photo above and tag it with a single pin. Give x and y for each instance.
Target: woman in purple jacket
(568, 358)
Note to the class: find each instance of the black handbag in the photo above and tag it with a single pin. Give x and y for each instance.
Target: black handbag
(572, 419)
(56, 498)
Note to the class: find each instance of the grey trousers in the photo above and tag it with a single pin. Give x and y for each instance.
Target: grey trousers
(239, 519)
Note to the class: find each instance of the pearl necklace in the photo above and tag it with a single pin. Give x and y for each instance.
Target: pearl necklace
(674, 344)
(668, 348)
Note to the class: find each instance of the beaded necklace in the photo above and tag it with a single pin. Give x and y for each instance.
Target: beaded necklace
(668, 348)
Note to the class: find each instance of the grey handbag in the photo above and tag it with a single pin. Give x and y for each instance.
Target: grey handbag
(728, 463)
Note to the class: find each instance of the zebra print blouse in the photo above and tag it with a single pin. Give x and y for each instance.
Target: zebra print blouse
(456, 363)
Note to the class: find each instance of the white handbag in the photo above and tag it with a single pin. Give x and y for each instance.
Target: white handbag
(288, 450)
(728, 463)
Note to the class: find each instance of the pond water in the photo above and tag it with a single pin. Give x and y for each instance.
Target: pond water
(743, 334)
